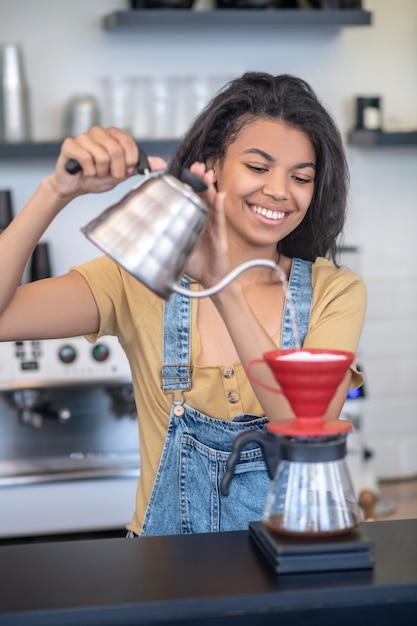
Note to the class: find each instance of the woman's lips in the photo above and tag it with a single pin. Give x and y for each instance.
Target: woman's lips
(270, 214)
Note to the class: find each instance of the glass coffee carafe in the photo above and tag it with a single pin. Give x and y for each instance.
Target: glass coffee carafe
(311, 493)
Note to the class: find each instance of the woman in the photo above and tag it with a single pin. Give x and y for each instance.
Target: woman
(276, 172)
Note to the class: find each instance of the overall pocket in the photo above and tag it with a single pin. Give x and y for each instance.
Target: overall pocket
(202, 507)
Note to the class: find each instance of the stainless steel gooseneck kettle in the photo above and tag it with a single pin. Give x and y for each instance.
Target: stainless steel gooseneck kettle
(151, 231)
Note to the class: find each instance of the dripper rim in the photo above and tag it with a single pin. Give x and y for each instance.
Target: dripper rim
(281, 352)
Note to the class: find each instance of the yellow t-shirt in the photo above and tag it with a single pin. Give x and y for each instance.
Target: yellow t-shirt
(133, 313)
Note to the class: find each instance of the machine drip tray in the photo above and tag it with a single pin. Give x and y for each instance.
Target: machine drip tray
(293, 555)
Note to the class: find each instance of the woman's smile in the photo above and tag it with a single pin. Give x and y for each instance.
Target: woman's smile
(269, 213)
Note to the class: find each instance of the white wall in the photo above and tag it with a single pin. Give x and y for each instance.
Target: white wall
(67, 52)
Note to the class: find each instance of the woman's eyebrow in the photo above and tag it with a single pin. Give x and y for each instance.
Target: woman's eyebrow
(307, 164)
(265, 155)
(271, 159)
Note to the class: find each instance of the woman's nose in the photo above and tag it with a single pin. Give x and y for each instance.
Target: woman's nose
(276, 186)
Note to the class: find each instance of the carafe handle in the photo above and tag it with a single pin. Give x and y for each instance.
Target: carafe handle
(255, 380)
(270, 450)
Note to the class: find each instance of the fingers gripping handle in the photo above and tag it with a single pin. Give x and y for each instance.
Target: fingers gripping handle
(73, 167)
(270, 449)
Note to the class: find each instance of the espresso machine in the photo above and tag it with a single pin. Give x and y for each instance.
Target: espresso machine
(67, 409)
(69, 442)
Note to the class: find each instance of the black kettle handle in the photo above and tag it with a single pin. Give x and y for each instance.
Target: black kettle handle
(73, 167)
(196, 183)
(270, 449)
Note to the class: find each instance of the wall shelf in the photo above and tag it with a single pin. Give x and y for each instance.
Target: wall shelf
(165, 147)
(379, 138)
(233, 19)
(50, 150)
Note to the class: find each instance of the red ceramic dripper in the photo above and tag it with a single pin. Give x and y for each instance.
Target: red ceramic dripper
(309, 385)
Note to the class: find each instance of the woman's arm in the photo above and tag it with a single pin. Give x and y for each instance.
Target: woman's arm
(61, 306)
(251, 342)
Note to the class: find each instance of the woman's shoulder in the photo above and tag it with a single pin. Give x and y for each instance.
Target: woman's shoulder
(98, 265)
(106, 276)
(331, 282)
(324, 271)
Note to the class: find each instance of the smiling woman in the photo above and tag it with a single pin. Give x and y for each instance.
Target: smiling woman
(275, 170)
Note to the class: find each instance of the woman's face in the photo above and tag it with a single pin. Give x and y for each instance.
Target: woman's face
(268, 176)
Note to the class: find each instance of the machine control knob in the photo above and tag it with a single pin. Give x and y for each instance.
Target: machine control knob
(100, 352)
(67, 354)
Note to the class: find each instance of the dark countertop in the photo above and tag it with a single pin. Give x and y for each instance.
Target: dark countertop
(218, 578)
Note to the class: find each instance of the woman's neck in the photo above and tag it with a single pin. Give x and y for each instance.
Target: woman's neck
(258, 274)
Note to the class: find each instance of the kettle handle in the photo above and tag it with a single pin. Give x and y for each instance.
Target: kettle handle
(255, 380)
(270, 450)
(73, 166)
(196, 183)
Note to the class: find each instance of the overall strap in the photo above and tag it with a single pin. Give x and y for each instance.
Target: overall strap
(176, 341)
(301, 292)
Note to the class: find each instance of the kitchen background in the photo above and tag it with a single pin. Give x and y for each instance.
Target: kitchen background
(67, 52)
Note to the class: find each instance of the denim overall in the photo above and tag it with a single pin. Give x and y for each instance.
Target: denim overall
(186, 494)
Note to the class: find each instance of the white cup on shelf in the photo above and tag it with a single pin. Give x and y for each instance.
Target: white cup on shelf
(118, 102)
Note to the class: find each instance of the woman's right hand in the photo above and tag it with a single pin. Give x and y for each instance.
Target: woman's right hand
(106, 156)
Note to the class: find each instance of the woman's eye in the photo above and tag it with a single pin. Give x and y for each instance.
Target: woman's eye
(302, 181)
(257, 168)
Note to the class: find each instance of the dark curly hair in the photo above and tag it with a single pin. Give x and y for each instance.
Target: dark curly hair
(289, 99)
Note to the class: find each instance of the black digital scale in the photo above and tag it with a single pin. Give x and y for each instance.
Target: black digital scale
(290, 555)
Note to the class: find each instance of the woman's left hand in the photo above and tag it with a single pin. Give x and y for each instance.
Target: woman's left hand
(208, 262)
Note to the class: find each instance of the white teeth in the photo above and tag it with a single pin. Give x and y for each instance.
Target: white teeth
(272, 215)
